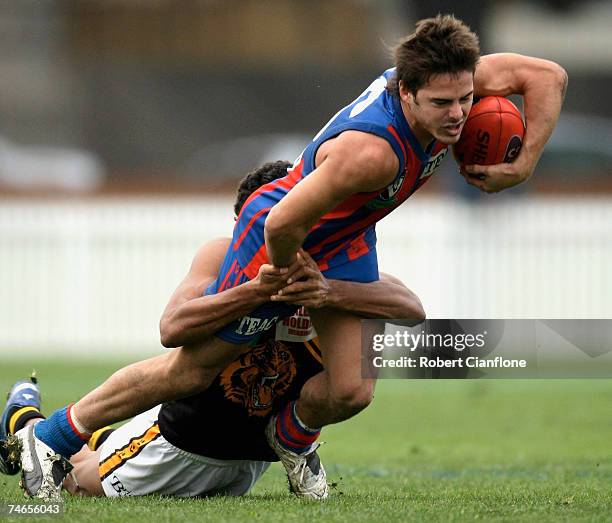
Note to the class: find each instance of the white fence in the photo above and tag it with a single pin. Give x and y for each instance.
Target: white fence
(92, 277)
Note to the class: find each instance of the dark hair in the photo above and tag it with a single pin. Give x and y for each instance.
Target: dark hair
(442, 44)
(267, 173)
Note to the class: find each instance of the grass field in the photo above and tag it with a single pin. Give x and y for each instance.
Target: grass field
(425, 450)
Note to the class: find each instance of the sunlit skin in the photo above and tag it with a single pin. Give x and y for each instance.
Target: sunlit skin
(439, 109)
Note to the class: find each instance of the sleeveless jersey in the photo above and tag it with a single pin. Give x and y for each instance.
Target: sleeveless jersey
(347, 232)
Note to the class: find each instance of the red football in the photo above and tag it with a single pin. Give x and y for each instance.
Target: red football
(493, 133)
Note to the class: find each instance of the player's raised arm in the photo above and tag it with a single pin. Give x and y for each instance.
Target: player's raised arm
(542, 84)
(353, 162)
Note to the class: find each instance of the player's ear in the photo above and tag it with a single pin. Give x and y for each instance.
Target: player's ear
(405, 94)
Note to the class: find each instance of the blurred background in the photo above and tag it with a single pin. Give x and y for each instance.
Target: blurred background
(125, 126)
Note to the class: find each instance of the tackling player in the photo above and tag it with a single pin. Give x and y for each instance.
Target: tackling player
(213, 443)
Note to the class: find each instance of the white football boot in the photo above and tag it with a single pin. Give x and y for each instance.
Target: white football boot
(24, 393)
(42, 469)
(305, 472)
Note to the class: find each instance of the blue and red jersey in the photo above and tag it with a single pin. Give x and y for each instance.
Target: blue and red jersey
(347, 232)
(342, 242)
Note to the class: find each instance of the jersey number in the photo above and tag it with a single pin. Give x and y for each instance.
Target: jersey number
(372, 92)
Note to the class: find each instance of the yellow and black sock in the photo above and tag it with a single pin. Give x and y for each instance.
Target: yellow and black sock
(19, 418)
(99, 437)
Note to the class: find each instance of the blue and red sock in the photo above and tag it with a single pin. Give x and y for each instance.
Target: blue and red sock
(292, 433)
(59, 432)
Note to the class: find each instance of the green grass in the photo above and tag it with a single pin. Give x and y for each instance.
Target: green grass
(424, 451)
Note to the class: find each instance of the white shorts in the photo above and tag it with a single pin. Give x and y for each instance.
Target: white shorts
(136, 460)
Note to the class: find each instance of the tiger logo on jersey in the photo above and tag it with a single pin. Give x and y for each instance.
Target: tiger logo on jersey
(257, 377)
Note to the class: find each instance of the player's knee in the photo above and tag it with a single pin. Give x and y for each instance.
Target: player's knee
(353, 398)
(191, 369)
(193, 380)
(169, 336)
(414, 310)
(419, 312)
(187, 378)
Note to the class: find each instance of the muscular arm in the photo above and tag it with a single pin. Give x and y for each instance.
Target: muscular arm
(387, 298)
(351, 163)
(542, 84)
(190, 317)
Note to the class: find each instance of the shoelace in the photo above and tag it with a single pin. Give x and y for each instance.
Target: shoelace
(301, 467)
(303, 462)
(66, 465)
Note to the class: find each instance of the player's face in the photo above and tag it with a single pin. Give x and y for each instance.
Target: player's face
(440, 108)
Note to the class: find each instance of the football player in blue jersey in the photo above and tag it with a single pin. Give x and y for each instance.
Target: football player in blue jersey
(370, 157)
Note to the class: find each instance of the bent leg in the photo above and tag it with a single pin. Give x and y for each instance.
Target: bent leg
(339, 392)
(138, 387)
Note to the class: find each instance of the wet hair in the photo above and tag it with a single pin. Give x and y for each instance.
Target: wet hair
(440, 45)
(267, 173)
